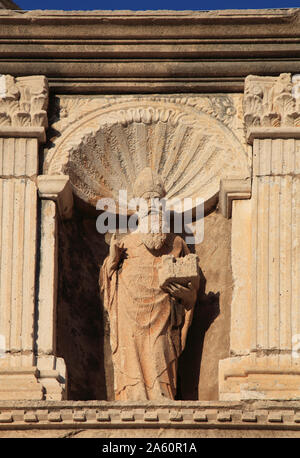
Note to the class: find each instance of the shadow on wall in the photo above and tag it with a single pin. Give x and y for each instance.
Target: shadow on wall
(80, 330)
(207, 309)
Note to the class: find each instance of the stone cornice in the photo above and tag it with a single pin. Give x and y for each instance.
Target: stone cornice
(189, 415)
(23, 132)
(152, 51)
(272, 132)
(257, 15)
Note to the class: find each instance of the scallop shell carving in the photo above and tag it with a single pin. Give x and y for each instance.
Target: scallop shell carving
(107, 149)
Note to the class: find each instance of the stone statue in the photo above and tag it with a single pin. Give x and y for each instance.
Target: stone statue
(148, 324)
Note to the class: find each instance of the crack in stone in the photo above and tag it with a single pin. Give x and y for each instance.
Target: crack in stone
(71, 434)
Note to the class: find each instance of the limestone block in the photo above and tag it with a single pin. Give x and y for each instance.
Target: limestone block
(57, 188)
(52, 375)
(47, 280)
(18, 157)
(241, 256)
(5, 418)
(102, 416)
(249, 417)
(52, 389)
(151, 416)
(20, 383)
(52, 370)
(200, 416)
(54, 417)
(273, 377)
(180, 270)
(30, 417)
(79, 416)
(175, 415)
(127, 416)
(18, 258)
(230, 190)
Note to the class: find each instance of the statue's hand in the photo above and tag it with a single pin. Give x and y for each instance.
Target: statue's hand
(116, 252)
(187, 294)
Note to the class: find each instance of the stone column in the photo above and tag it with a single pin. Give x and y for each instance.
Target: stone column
(29, 368)
(23, 117)
(56, 201)
(265, 321)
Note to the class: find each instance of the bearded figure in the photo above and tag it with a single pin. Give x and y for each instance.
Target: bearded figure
(148, 324)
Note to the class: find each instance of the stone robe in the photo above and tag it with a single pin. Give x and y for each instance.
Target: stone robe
(148, 327)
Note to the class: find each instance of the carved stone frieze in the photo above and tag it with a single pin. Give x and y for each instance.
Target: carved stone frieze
(66, 110)
(95, 418)
(23, 101)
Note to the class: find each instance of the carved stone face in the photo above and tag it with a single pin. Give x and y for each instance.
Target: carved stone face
(151, 224)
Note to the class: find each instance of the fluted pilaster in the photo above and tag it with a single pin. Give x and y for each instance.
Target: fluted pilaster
(23, 118)
(264, 363)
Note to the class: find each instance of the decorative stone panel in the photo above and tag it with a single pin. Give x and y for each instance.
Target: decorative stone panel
(180, 419)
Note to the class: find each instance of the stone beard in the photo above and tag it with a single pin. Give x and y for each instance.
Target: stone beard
(153, 240)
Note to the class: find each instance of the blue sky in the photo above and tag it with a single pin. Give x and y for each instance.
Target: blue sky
(154, 4)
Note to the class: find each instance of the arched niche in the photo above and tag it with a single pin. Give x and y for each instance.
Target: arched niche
(104, 151)
(101, 154)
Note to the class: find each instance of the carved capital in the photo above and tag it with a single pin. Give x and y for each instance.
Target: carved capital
(233, 189)
(23, 101)
(271, 101)
(57, 188)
